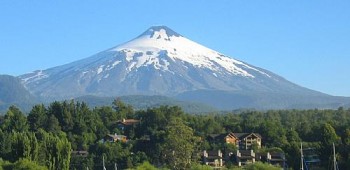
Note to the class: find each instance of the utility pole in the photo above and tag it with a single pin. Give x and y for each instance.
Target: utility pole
(103, 161)
(334, 159)
(301, 157)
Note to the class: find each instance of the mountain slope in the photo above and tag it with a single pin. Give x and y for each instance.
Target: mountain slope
(228, 100)
(159, 62)
(12, 92)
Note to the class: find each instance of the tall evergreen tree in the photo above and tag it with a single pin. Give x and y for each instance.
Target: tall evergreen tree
(123, 110)
(178, 144)
(37, 117)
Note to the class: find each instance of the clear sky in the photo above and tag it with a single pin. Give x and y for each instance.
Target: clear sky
(304, 41)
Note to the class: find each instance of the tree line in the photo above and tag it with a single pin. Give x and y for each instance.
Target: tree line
(166, 137)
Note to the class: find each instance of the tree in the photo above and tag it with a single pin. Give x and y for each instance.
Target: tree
(346, 137)
(112, 153)
(153, 124)
(52, 124)
(24, 145)
(22, 164)
(37, 117)
(14, 121)
(329, 136)
(55, 150)
(273, 133)
(293, 136)
(146, 166)
(25, 164)
(178, 144)
(261, 166)
(123, 110)
(67, 120)
(201, 167)
(4, 164)
(108, 116)
(5, 145)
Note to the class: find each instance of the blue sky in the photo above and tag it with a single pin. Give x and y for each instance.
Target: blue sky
(306, 42)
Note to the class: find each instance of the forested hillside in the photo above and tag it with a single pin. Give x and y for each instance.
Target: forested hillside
(141, 102)
(166, 137)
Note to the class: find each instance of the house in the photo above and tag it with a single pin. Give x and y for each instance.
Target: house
(213, 158)
(244, 157)
(241, 140)
(115, 138)
(223, 138)
(311, 158)
(248, 140)
(276, 158)
(125, 123)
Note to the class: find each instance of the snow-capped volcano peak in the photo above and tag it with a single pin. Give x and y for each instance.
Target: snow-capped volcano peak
(162, 40)
(163, 62)
(159, 61)
(160, 32)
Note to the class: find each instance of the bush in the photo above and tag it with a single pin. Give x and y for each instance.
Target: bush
(22, 164)
(261, 166)
(146, 166)
(200, 167)
(25, 164)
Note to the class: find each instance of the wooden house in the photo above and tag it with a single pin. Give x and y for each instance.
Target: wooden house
(241, 140)
(125, 123)
(247, 140)
(115, 138)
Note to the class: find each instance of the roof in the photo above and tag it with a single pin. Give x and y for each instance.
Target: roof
(281, 154)
(222, 135)
(214, 154)
(244, 135)
(115, 136)
(246, 154)
(80, 153)
(277, 156)
(236, 135)
(128, 122)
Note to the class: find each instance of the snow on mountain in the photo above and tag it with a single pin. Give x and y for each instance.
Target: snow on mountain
(158, 40)
(158, 62)
(158, 52)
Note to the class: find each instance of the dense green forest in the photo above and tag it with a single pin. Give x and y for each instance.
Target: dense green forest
(165, 138)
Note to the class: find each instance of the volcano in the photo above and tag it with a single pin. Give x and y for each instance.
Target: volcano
(160, 61)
